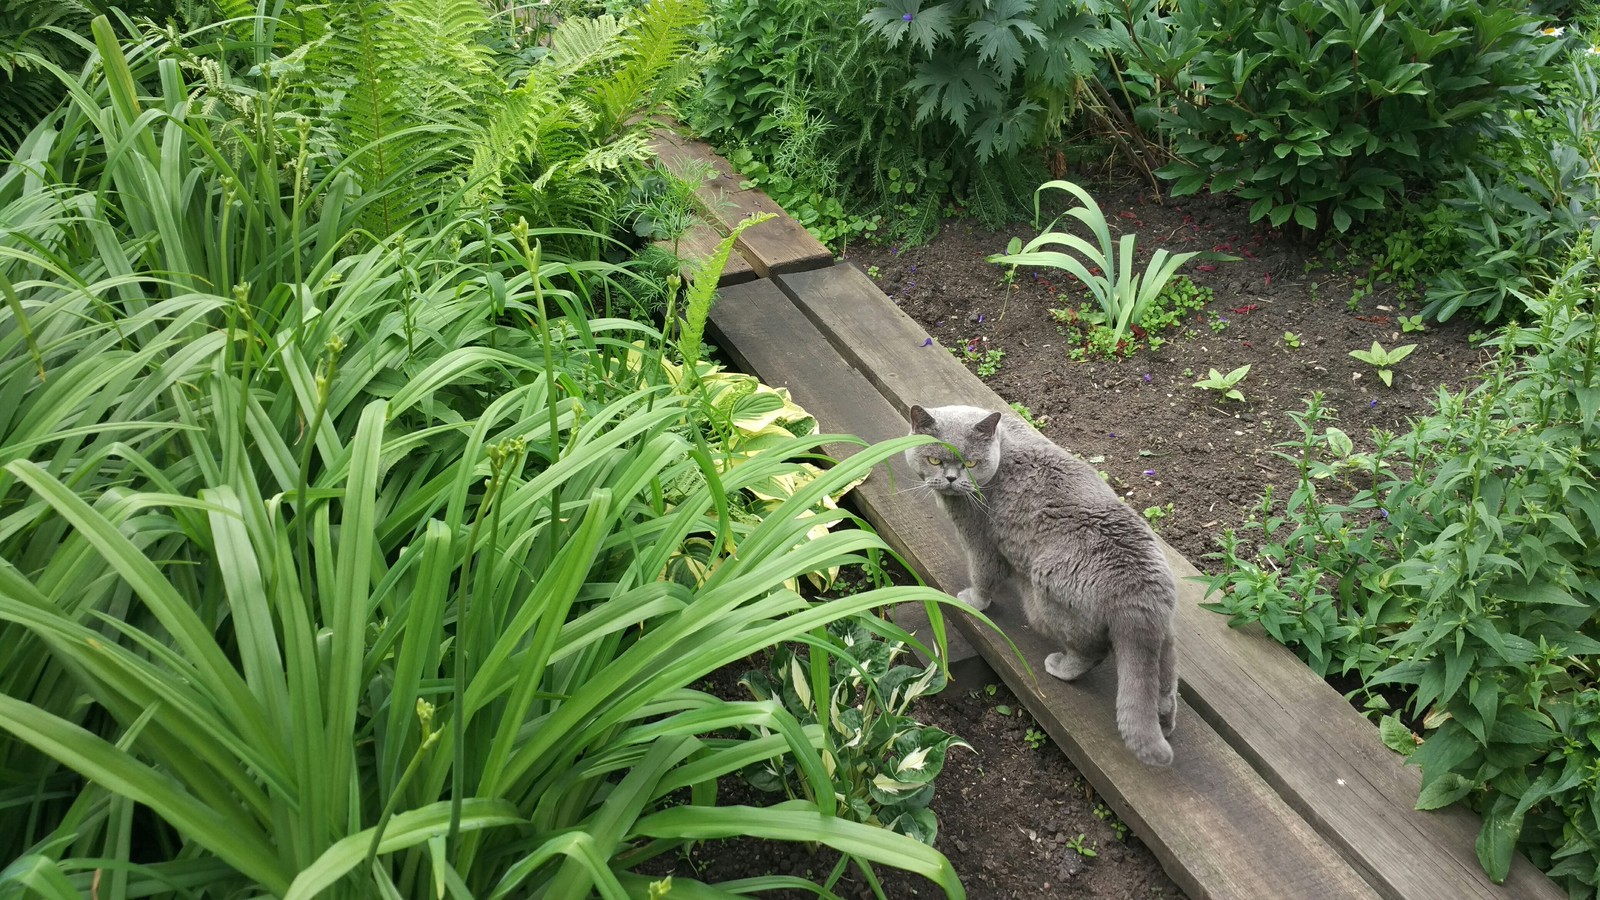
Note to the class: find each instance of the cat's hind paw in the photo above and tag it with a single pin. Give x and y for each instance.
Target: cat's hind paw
(1068, 666)
(970, 597)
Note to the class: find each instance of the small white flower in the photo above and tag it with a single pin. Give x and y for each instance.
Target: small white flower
(1594, 50)
(1553, 31)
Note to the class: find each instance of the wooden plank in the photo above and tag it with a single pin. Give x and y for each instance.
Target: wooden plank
(1322, 756)
(1217, 827)
(775, 247)
(677, 154)
(698, 243)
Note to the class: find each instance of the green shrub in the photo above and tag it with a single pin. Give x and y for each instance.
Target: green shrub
(882, 761)
(1519, 221)
(1457, 565)
(1320, 113)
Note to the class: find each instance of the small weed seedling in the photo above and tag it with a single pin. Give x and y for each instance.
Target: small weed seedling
(987, 359)
(1291, 340)
(1026, 414)
(989, 690)
(1409, 324)
(1154, 514)
(1384, 360)
(1082, 847)
(1117, 826)
(1226, 384)
(873, 272)
(1035, 738)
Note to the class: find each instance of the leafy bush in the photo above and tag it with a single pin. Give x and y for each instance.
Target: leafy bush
(1004, 73)
(336, 565)
(1456, 566)
(1518, 222)
(1320, 113)
(817, 103)
(882, 761)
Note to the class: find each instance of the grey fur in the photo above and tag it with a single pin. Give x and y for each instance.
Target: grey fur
(1092, 574)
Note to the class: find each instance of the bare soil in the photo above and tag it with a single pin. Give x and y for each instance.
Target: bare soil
(1008, 811)
(1140, 419)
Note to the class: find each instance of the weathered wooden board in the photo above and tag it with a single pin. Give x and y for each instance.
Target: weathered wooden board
(1322, 756)
(773, 247)
(1217, 827)
(697, 244)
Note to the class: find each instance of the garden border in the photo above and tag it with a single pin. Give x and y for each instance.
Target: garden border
(1279, 788)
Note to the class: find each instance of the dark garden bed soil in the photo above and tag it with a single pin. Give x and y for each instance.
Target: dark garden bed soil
(1012, 813)
(1140, 420)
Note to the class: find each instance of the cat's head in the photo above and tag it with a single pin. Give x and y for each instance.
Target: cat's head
(973, 432)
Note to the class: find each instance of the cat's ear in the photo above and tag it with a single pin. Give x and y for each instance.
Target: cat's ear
(921, 422)
(986, 427)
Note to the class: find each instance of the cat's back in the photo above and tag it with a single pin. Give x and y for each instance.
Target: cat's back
(1050, 494)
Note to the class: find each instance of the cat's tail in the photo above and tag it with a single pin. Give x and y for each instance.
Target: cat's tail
(1139, 697)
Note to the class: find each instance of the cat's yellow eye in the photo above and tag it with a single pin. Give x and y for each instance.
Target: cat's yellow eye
(934, 461)
(969, 464)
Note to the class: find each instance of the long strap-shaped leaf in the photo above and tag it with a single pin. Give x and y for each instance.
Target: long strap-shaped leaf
(247, 850)
(407, 829)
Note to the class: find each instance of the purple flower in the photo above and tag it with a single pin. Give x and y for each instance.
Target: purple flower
(1112, 433)
(913, 268)
(1372, 405)
(928, 342)
(980, 318)
(1147, 378)
(1384, 513)
(906, 17)
(1149, 473)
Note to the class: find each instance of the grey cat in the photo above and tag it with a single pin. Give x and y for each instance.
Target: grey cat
(1092, 574)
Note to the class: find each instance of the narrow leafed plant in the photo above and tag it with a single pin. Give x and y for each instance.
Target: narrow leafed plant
(334, 567)
(1105, 268)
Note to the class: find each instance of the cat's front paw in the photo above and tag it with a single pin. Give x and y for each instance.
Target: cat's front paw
(970, 597)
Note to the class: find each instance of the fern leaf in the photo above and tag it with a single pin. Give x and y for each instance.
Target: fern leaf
(580, 44)
(703, 292)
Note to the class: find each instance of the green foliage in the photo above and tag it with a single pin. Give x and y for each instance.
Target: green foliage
(702, 292)
(1384, 360)
(976, 353)
(429, 119)
(1106, 269)
(1226, 385)
(1086, 329)
(1404, 248)
(1320, 113)
(881, 760)
(1291, 340)
(1004, 73)
(1035, 739)
(818, 102)
(1518, 223)
(1456, 564)
(28, 47)
(338, 566)
(1026, 414)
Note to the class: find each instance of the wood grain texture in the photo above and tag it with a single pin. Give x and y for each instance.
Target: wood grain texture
(1218, 829)
(1322, 756)
(774, 247)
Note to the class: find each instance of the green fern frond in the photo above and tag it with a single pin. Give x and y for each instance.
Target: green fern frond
(581, 44)
(417, 83)
(661, 32)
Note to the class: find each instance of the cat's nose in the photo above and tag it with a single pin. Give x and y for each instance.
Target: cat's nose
(951, 478)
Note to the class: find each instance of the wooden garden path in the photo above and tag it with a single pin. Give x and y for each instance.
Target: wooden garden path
(1279, 788)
